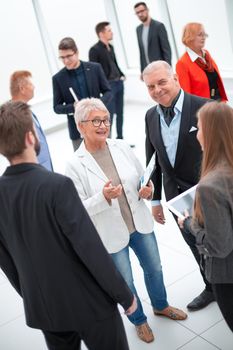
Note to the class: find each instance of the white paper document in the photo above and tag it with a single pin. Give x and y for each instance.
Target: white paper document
(148, 172)
(73, 94)
(183, 202)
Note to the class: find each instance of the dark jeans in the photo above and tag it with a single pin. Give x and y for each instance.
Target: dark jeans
(224, 297)
(116, 105)
(191, 241)
(104, 335)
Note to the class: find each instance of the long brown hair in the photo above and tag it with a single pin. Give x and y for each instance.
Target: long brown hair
(216, 120)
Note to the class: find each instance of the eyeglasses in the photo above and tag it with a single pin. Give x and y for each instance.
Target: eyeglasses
(203, 35)
(97, 122)
(68, 57)
(141, 11)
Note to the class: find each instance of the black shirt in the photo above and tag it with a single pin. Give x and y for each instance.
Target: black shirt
(106, 57)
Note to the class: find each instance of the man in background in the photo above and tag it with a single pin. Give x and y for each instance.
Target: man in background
(152, 38)
(50, 250)
(171, 128)
(103, 53)
(86, 79)
(22, 89)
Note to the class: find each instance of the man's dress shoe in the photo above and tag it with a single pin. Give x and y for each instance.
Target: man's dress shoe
(201, 301)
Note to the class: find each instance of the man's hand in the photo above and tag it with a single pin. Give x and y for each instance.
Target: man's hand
(110, 191)
(132, 308)
(145, 192)
(157, 212)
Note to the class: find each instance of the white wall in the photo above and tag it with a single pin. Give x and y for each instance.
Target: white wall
(21, 47)
(75, 18)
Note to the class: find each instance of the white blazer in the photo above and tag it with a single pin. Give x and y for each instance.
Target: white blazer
(89, 180)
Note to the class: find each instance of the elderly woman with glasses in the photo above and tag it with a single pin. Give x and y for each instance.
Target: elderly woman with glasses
(197, 71)
(106, 174)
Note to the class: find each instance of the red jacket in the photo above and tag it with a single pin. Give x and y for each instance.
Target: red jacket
(194, 80)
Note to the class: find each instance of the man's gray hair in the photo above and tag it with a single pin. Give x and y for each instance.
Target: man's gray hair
(85, 106)
(156, 65)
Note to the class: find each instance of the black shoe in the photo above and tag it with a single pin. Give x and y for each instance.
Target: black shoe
(201, 301)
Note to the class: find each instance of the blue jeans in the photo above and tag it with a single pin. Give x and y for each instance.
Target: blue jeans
(146, 249)
(116, 105)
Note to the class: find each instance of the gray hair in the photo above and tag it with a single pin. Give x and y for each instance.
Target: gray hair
(87, 105)
(156, 65)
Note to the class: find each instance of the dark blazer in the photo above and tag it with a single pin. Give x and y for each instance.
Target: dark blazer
(99, 53)
(185, 173)
(158, 44)
(63, 101)
(52, 254)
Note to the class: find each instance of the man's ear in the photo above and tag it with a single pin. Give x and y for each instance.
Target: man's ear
(21, 88)
(29, 139)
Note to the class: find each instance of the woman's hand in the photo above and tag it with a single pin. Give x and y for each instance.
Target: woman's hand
(145, 192)
(111, 192)
(181, 221)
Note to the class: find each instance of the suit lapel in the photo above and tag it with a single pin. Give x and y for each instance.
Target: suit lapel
(150, 34)
(87, 72)
(162, 153)
(140, 33)
(89, 162)
(116, 156)
(184, 128)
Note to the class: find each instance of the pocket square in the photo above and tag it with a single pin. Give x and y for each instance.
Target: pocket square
(193, 128)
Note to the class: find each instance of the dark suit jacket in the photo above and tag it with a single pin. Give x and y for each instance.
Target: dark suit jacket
(158, 44)
(99, 53)
(186, 171)
(63, 101)
(52, 254)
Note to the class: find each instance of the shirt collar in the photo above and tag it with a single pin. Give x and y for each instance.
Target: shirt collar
(103, 44)
(178, 105)
(193, 55)
(21, 168)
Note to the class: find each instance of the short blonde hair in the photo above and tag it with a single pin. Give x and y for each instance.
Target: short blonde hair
(190, 31)
(16, 80)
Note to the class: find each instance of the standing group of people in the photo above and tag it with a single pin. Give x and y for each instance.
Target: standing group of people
(84, 228)
(102, 77)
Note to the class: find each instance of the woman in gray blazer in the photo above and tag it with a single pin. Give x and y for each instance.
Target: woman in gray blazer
(212, 222)
(106, 174)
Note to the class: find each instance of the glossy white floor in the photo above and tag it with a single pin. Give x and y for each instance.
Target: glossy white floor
(204, 330)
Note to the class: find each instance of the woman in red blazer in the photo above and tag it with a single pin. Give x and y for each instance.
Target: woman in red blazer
(197, 72)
